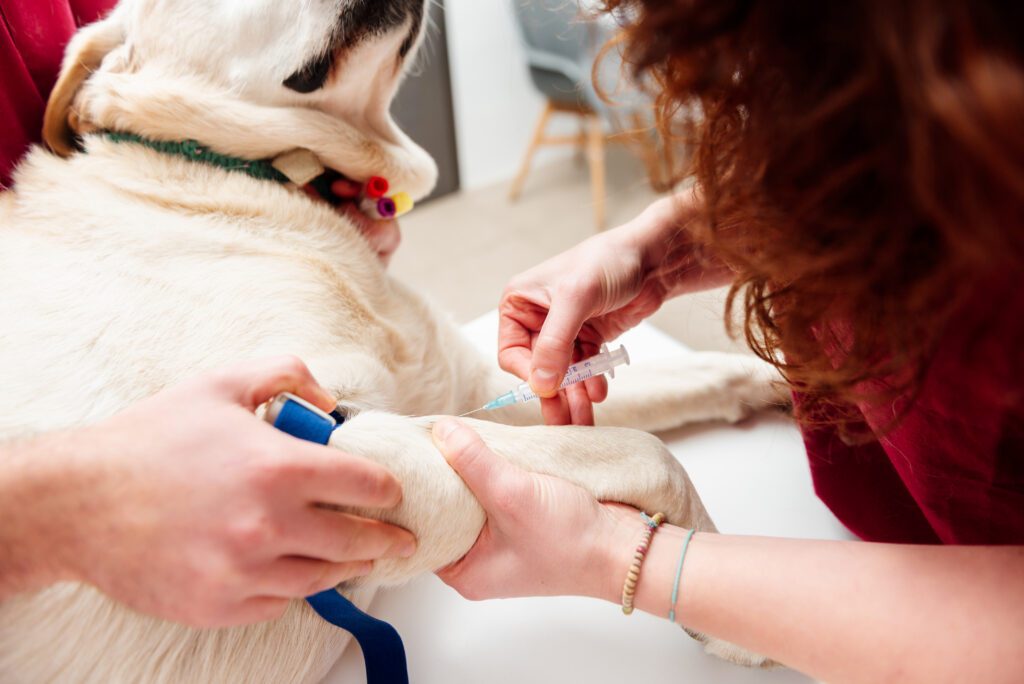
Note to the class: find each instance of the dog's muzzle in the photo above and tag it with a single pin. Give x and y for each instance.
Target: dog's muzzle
(360, 20)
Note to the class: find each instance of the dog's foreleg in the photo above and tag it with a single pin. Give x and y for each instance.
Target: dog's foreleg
(624, 466)
(690, 388)
(614, 464)
(657, 396)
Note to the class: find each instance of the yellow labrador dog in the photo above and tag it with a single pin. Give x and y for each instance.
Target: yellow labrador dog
(124, 270)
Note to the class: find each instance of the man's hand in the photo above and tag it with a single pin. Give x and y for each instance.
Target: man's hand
(189, 508)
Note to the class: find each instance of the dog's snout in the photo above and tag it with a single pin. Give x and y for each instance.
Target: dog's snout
(360, 20)
(312, 76)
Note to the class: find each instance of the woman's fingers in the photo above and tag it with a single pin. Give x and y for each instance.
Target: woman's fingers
(556, 343)
(337, 537)
(571, 406)
(555, 410)
(483, 471)
(597, 389)
(581, 409)
(520, 320)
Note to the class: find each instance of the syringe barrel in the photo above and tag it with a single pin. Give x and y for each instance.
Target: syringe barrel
(523, 393)
(608, 360)
(605, 362)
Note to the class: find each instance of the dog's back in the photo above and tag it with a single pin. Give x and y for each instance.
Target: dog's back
(124, 271)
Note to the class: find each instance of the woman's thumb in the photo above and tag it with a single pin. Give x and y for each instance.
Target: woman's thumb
(552, 352)
(479, 467)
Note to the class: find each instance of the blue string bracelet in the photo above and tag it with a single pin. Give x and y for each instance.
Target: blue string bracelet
(679, 576)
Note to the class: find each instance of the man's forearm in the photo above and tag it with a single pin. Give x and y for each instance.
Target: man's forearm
(31, 483)
(847, 611)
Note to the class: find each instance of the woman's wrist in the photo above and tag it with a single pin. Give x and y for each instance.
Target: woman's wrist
(612, 552)
(671, 254)
(623, 530)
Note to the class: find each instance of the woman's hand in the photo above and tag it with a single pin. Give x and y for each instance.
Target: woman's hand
(543, 536)
(190, 508)
(566, 308)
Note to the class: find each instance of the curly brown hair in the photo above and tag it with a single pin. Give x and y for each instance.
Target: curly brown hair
(862, 166)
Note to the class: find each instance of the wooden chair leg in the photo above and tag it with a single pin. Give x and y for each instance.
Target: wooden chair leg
(538, 137)
(580, 151)
(653, 160)
(596, 157)
(668, 162)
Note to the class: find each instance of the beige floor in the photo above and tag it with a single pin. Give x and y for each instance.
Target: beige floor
(461, 250)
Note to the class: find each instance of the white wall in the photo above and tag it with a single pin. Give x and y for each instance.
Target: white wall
(496, 107)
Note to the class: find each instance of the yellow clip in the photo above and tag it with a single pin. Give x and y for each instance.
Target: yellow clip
(403, 204)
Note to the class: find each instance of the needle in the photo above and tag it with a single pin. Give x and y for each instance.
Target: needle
(605, 362)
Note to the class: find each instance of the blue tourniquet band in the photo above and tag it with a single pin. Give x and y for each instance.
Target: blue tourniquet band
(298, 421)
(383, 650)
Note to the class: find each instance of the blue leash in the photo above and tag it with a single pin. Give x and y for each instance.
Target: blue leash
(383, 651)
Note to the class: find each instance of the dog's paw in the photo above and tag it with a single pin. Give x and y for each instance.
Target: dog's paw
(693, 387)
(732, 653)
(740, 656)
(752, 386)
(742, 385)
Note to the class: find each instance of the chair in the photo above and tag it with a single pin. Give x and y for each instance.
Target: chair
(561, 47)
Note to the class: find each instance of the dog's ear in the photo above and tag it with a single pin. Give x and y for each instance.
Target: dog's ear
(84, 56)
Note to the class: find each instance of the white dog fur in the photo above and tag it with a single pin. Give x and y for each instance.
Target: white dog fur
(125, 271)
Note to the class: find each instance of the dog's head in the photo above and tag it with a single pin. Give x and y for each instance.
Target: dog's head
(343, 59)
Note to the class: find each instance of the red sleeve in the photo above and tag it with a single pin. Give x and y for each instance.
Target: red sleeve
(952, 470)
(33, 35)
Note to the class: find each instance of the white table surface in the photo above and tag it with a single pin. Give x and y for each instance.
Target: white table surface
(753, 478)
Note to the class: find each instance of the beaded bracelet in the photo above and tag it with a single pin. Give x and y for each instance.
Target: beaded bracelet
(629, 588)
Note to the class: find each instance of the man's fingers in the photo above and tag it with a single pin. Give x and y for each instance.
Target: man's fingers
(257, 382)
(260, 609)
(301, 577)
(480, 468)
(329, 476)
(554, 347)
(342, 538)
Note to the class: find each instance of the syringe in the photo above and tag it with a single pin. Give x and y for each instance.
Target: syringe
(605, 362)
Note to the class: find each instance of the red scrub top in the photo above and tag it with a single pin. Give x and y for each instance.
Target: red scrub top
(33, 35)
(952, 472)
